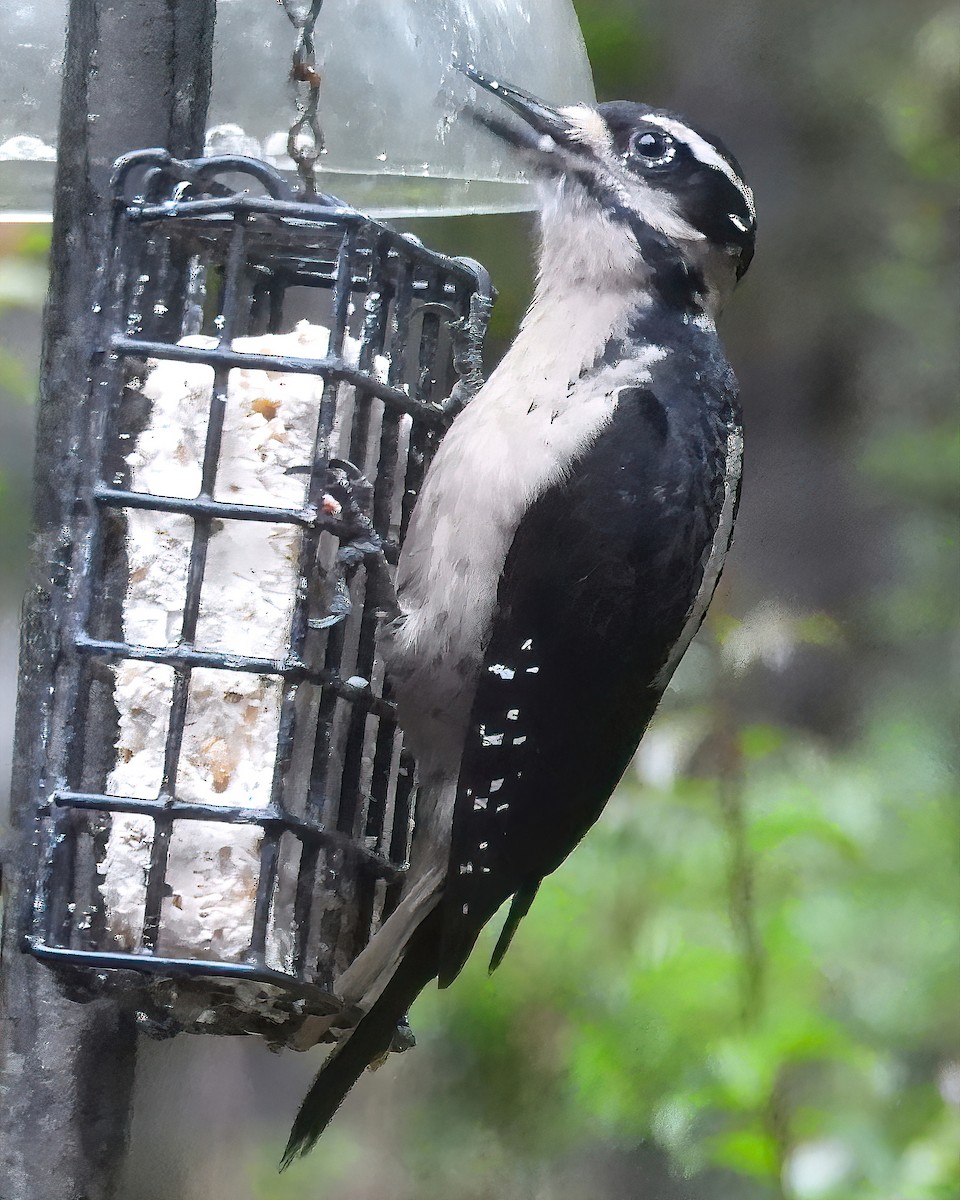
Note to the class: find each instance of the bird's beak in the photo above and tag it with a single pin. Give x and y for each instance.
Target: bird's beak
(543, 127)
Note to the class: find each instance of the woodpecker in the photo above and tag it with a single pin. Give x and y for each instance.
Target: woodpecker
(566, 543)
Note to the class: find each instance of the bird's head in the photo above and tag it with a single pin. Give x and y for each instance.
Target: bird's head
(631, 195)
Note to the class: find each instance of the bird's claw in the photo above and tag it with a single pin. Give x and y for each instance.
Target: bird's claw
(359, 544)
(403, 1037)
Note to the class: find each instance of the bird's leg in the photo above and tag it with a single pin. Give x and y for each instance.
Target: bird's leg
(347, 503)
(403, 1040)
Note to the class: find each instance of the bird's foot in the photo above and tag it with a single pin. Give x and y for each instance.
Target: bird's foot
(403, 1040)
(347, 504)
(403, 1037)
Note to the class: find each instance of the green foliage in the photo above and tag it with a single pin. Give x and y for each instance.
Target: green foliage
(23, 284)
(836, 1027)
(23, 279)
(621, 48)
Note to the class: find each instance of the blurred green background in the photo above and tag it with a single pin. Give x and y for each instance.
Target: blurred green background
(746, 982)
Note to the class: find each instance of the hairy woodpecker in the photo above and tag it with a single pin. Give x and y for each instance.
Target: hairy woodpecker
(567, 541)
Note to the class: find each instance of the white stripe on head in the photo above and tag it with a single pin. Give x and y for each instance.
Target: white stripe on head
(703, 152)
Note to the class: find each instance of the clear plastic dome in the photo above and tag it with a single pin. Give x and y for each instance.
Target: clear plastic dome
(391, 100)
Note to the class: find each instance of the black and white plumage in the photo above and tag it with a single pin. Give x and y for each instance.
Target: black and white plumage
(566, 543)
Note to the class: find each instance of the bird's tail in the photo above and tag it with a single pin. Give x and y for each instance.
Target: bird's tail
(368, 1041)
(518, 910)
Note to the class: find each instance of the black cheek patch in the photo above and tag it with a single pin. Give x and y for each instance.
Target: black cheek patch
(712, 202)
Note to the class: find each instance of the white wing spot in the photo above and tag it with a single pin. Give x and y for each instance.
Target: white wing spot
(533, 670)
(501, 670)
(502, 807)
(527, 645)
(480, 803)
(512, 714)
(465, 909)
(466, 868)
(484, 845)
(496, 785)
(516, 741)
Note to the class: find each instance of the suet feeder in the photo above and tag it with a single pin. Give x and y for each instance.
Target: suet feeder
(228, 848)
(227, 806)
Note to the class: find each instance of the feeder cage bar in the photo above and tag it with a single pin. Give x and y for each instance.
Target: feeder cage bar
(273, 319)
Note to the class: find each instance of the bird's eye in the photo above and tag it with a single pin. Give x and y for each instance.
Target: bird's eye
(652, 148)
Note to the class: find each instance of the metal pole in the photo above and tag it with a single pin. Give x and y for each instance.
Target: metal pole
(136, 74)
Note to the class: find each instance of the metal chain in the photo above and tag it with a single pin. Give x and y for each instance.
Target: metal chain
(305, 139)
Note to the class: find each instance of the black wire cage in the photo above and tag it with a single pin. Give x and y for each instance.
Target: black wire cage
(228, 807)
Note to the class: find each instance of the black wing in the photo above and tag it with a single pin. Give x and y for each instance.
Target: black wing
(596, 589)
